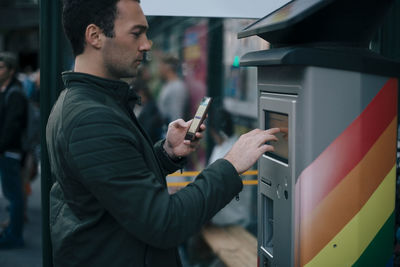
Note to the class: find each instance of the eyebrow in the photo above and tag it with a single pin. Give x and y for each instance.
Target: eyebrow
(142, 28)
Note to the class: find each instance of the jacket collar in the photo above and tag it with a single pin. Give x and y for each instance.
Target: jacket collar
(120, 90)
(13, 82)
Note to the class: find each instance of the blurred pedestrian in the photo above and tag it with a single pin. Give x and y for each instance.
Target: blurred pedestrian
(147, 112)
(195, 251)
(220, 126)
(173, 98)
(31, 143)
(27, 79)
(12, 123)
(35, 97)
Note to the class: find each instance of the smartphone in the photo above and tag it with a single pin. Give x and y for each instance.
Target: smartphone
(198, 118)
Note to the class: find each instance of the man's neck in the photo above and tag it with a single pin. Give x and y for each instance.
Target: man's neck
(85, 65)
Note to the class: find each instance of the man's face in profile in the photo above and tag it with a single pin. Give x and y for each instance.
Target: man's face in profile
(124, 52)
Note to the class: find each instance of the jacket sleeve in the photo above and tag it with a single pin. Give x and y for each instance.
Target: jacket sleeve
(110, 164)
(14, 121)
(168, 165)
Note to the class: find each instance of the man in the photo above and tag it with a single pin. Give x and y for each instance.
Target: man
(173, 96)
(12, 123)
(110, 205)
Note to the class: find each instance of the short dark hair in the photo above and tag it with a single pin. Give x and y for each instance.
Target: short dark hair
(78, 14)
(172, 61)
(9, 59)
(221, 121)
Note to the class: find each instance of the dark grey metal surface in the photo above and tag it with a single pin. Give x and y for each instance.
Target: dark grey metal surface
(353, 59)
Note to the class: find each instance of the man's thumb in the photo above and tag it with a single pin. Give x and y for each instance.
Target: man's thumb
(181, 123)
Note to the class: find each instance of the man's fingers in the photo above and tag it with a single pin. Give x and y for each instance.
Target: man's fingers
(263, 137)
(266, 148)
(179, 123)
(273, 130)
(192, 143)
(195, 142)
(272, 138)
(202, 127)
(284, 130)
(199, 135)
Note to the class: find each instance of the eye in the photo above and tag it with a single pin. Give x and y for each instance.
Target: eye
(136, 34)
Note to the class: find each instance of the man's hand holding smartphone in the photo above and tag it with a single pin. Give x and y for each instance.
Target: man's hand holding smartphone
(175, 144)
(183, 137)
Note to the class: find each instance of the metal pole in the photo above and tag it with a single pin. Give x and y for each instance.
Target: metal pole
(50, 65)
(215, 71)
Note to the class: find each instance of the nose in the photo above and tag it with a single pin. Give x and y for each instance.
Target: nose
(146, 44)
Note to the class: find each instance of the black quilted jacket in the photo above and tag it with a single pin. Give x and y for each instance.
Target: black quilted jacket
(110, 205)
(12, 117)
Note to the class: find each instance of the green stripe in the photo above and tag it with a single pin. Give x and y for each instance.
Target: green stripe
(380, 250)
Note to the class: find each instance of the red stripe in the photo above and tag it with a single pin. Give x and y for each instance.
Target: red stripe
(340, 157)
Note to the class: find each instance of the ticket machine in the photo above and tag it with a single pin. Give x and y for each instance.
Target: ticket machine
(326, 194)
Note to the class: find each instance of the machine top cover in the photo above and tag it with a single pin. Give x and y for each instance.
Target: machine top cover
(321, 23)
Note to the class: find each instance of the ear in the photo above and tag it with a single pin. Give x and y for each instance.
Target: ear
(93, 36)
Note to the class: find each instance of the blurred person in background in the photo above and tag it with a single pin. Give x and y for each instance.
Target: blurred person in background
(36, 94)
(173, 98)
(195, 252)
(27, 79)
(31, 145)
(147, 111)
(13, 107)
(221, 129)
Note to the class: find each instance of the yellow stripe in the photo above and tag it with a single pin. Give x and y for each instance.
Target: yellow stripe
(255, 172)
(182, 184)
(177, 184)
(195, 173)
(354, 238)
(250, 182)
(184, 174)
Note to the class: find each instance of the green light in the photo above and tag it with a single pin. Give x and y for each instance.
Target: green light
(236, 61)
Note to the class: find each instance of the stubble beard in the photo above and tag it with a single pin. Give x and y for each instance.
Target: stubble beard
(117, 65)
(120, 70)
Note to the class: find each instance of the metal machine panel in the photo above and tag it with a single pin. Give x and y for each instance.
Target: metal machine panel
(276, 183)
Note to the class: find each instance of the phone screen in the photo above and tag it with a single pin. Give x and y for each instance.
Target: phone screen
(200, 115)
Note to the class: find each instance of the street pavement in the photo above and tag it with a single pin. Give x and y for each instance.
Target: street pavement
(31, 254)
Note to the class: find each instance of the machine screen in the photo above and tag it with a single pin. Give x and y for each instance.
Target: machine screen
(278, 120)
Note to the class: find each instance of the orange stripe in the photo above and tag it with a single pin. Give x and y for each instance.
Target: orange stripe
(195, 173)
(345, 201)
(182, 184)
(346, 151)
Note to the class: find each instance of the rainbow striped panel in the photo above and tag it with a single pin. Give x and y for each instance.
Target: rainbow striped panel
(345, 198)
